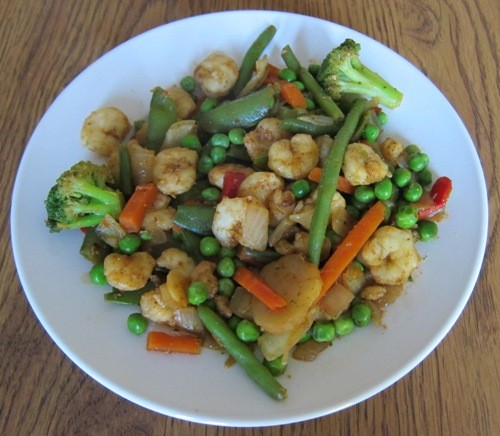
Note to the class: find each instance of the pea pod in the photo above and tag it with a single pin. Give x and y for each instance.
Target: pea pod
(162, 115)
(197, 219)
(244, 112)
(93, 248)
(131, 298)
(241, 353)
(303, 126)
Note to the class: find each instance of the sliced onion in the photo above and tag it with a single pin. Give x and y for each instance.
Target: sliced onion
(281, 231)
(110, 231)
(309, 350)
(336, 301)
(241, 303)
(188, 319)
(254, 233)
(142, 162)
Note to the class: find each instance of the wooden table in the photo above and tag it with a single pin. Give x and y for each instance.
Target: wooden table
(45, 44)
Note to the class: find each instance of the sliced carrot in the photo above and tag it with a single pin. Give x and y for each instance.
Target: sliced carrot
(349, 248)
(137, 206)
(166, 343)
(343, 185)
(293, 95)
(257, 287)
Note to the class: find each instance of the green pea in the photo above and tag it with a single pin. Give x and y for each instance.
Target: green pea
(247, 331)
(299, 85)
(406, 216)
(314, 69)
(137, 323)
(197, 293)
(208, 103)
(418, 161)
(145, 235)
(188, 84)
(287, 74)
(300, 188)
(209, 246)
(233, 322)
(383, 189)
(323, 331)
(358, 205)
(226, 267)
(191, 142)
(361, 315)
(382, 118)
(306, 337)
(218, 155)
(96, 274)
(276, 366)
(371, 132)
(226, 287)
(413, 192)
(401, 177)
(427, 230)
(130, 243)
(205, 164)
(311, 105)
(220, 140)
(211, 194)
(236, 135)
(424, 177)
(412, 149)
(364, 194)
(343, 325)
(227, 252)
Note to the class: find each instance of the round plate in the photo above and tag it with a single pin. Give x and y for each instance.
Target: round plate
(93, 334)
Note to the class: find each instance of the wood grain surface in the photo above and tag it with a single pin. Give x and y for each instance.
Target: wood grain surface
(45, 44)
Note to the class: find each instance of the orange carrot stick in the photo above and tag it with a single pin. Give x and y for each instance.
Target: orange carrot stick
(351, 245)
(293, 95)
(161, 341)
(343, 185)
(135, 210)
(257, 287)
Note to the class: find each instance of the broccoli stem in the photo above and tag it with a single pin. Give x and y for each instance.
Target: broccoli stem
(86, 188)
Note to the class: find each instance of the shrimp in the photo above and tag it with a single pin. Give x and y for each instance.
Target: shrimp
(184, 103)
(154, 308)
(281, 204)
(128, 272)
(174, 258)
(390, 255)
(174, 170)
(293, 158)
(217, 173)
(162, 219)
(363, 166)
(258, 141)
(391, 150)
(141, 160)
(216, 74)
(104, 129)
(260, 185)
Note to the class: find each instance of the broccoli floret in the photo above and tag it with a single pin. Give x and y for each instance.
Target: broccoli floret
(81, 197)
(342, 72)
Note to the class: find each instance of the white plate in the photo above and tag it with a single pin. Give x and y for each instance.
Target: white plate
(93, 333)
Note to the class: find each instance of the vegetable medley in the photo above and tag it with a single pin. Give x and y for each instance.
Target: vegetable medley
(256, 209)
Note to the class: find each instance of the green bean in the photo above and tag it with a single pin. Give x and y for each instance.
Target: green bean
(251, 57)
(162, 115)
(93, 247)
(132, 298)
(243, 112)
(197, 219)
(328, 183)
(241, 353)
(303, 126)
(125, 177)
(322, 98)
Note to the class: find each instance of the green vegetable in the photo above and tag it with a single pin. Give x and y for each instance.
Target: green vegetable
(191, 142)
(247, 331)
(125, 182)
(226, 267)
(236, 136)
(218, 155)
(300, 188)
(412, 192)
(241, 353)
(364, 194)
(418, 161)
(191, 244)
(251, 57)
(137, 323)
(132, 298)
(382, 118)
(240, 113)
(412, 149)
(197, 219)
(210, 194)
(227, 252)
(361, 314)
(226, 287)
(130, 243)
(81, 197)
(342, 72)
(287, 74)
(343, 325)
(406, 216)
(328, 182)
(371, 132)
(197, 293)
(383, 189)
(208, 104)
(276, 366)
(188, 84)
(93, 247)
(424, 177)
(96, 274)
(205, 164)
(220, 140)
(323, 331)
(427, 230)
(209, 246)
(297, 125)
(401, 177)
(162, 115)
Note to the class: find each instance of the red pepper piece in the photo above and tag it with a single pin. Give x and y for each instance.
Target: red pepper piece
(232, 182)
(440, 193)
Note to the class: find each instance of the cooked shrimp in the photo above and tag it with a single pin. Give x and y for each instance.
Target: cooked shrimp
(104, 129)
(217, 173)
(174, 170)
(260, 185)
(154, 308)
(341, 221)
(184, 103)
(204, 272)
(281, 204)
(391, 150)
(174, 258)
(258, 141)
(294, 158)
(363, 166)
(390, 255)
(216, 74)
(128, 272)
(231, 226)
(141, 160)
(162, 219)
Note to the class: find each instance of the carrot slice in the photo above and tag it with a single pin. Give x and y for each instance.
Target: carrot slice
(257, 287)
(293, 95)
(351, 245)
(343, 185)
(135, 210)
(161, 341)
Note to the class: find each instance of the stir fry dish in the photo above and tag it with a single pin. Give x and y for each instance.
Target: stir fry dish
(256, 209)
